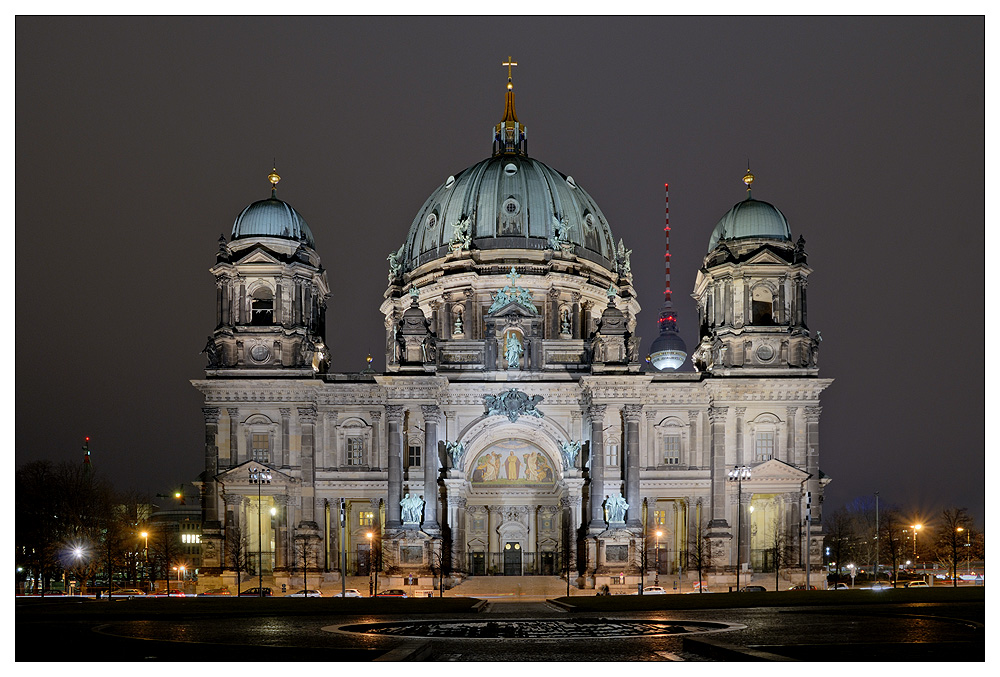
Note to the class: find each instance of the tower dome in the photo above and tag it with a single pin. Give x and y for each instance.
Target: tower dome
(751, 219)
(272, 218)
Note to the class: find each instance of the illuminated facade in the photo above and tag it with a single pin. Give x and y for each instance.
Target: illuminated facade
(514, 430)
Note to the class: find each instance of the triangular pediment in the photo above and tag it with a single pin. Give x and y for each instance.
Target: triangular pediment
(239, 476)
(776, 470)
(512, 308)
(766, 257)
(258, 255)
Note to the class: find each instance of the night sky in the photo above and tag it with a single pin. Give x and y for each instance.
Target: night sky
(139, 140)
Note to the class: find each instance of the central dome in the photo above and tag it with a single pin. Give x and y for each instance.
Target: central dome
(509, 202)
(751, 218)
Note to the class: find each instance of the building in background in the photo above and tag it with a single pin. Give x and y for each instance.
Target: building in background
(514, 430)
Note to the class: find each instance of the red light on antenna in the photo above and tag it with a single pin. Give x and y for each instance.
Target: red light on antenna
(86, 439)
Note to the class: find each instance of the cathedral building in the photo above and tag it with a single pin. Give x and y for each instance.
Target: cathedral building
(516, 429)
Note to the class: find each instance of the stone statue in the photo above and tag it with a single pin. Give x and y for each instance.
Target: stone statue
(616, 507)
(623, 259)
(561, 235)
(569, 451)
(459, 327)
(514, 351)
(213, 353)
(395, 260)
(564, 326)
(456, 450)
(411, 507)
(462, 238)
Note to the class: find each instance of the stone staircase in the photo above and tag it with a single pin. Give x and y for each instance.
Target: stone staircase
(509, 587)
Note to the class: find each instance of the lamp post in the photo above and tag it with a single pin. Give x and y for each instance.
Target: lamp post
(738, 474)
(853, 573)
(371, 564)
(259, 476)
(916, 528)
(656, 581)
(145, 556)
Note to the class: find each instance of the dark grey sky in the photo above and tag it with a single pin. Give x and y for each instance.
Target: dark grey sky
(139, 140)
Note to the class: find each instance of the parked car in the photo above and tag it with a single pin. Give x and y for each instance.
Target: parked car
(392, 593)
(305, 593)
(881, 586)
(838, 586)
(127, 592)
(256, 592)
(653, 590)
(803, 586)
(174, 592)
(215, 592)
(917, 584)
(350, 592)
(754, 588)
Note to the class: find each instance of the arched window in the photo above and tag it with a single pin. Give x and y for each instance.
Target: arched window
(262, 307)
(763, 313)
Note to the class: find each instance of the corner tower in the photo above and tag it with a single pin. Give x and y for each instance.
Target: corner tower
(271, 296)
(751, 296)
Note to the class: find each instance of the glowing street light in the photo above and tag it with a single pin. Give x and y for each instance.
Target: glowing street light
(656, 581)
(916, 528)
(259, 476)
(738, 474)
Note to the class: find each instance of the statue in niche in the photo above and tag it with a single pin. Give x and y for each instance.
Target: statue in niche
(616, 507)
(411, 507)
(569, 450)
(564, 326)
(513, 352)
(459, 327)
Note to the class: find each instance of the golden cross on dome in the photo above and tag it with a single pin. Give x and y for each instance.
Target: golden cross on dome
(509, 63)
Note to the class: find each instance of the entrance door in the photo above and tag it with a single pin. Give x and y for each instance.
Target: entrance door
(478, 564)
(364, 559)
(548, 563)
(512, 559)
(663, 561)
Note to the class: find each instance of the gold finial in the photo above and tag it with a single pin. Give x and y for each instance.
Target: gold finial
(748, 178)
(369, 359)
(274, 178)
(510, 63)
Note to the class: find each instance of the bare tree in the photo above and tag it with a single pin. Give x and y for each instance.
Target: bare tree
(782, 550)
(237, 551)
(950, 544)
(164, 551)
(891, 539)
(840, 538)
(699, 554)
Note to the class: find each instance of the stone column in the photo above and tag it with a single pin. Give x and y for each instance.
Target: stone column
(210, 505)
(740, 457)
(307, 419)
(552, 330)
(633, 516)
(286, 414)
(812, 459)
(394, 423)
(432, 418)
(234, 441)
(717, 416)
(791, 457)
(456, 519)
(469, 321)
(652, 453)
(221, 300)
(377, 460)
(577, 329)
(595, 415)
(695, 454)
(241, 309)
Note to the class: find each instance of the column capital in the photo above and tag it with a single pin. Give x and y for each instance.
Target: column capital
(651, 415)
(211, 414)
(394, 413)
(718, 414)
(740, 411)
(233, 411)
(693, 415)
(307, 414)
(595, 412)
(792, 411)
(812, 414)
(431, 412)
(376, 416)
(631, 412)
(285, 412)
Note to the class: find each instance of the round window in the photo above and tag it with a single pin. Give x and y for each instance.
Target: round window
(765, 353)
(511, 206)
(510, 169)
(432, 220)
(259, 353)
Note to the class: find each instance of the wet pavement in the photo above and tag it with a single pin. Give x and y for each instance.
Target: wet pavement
(952, 631)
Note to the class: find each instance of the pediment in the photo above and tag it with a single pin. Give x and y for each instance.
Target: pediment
(776, 470)
(766, 257)
(240, 475)
(512, 308)
(258, 255)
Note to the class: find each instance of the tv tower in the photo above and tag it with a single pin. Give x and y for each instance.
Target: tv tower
(668, 351)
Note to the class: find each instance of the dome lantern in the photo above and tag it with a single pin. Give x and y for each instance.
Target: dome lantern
(509, 135)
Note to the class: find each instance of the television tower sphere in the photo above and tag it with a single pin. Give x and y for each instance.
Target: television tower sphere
(668, 351)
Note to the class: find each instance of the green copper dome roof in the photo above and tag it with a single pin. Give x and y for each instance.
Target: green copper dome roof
(272, 218)
(509, 201)
(751, 218)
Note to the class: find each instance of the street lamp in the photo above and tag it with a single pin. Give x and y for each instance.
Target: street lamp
(145, 555)
(738, 474)
(656, 581)
(259, 476)
(371, 564)
(916, 528)
(853, 573)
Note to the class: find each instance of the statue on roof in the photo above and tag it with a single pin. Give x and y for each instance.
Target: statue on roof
(395, 260)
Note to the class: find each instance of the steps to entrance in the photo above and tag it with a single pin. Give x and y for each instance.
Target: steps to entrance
(509, 586)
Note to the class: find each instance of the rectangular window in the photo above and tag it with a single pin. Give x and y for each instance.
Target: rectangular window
(672, 450)
(366, 519)
(260, 447)
(611, 458)
(617, 553)
(413, 456)
(765, 446)
(660, 518)
(355, 451)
